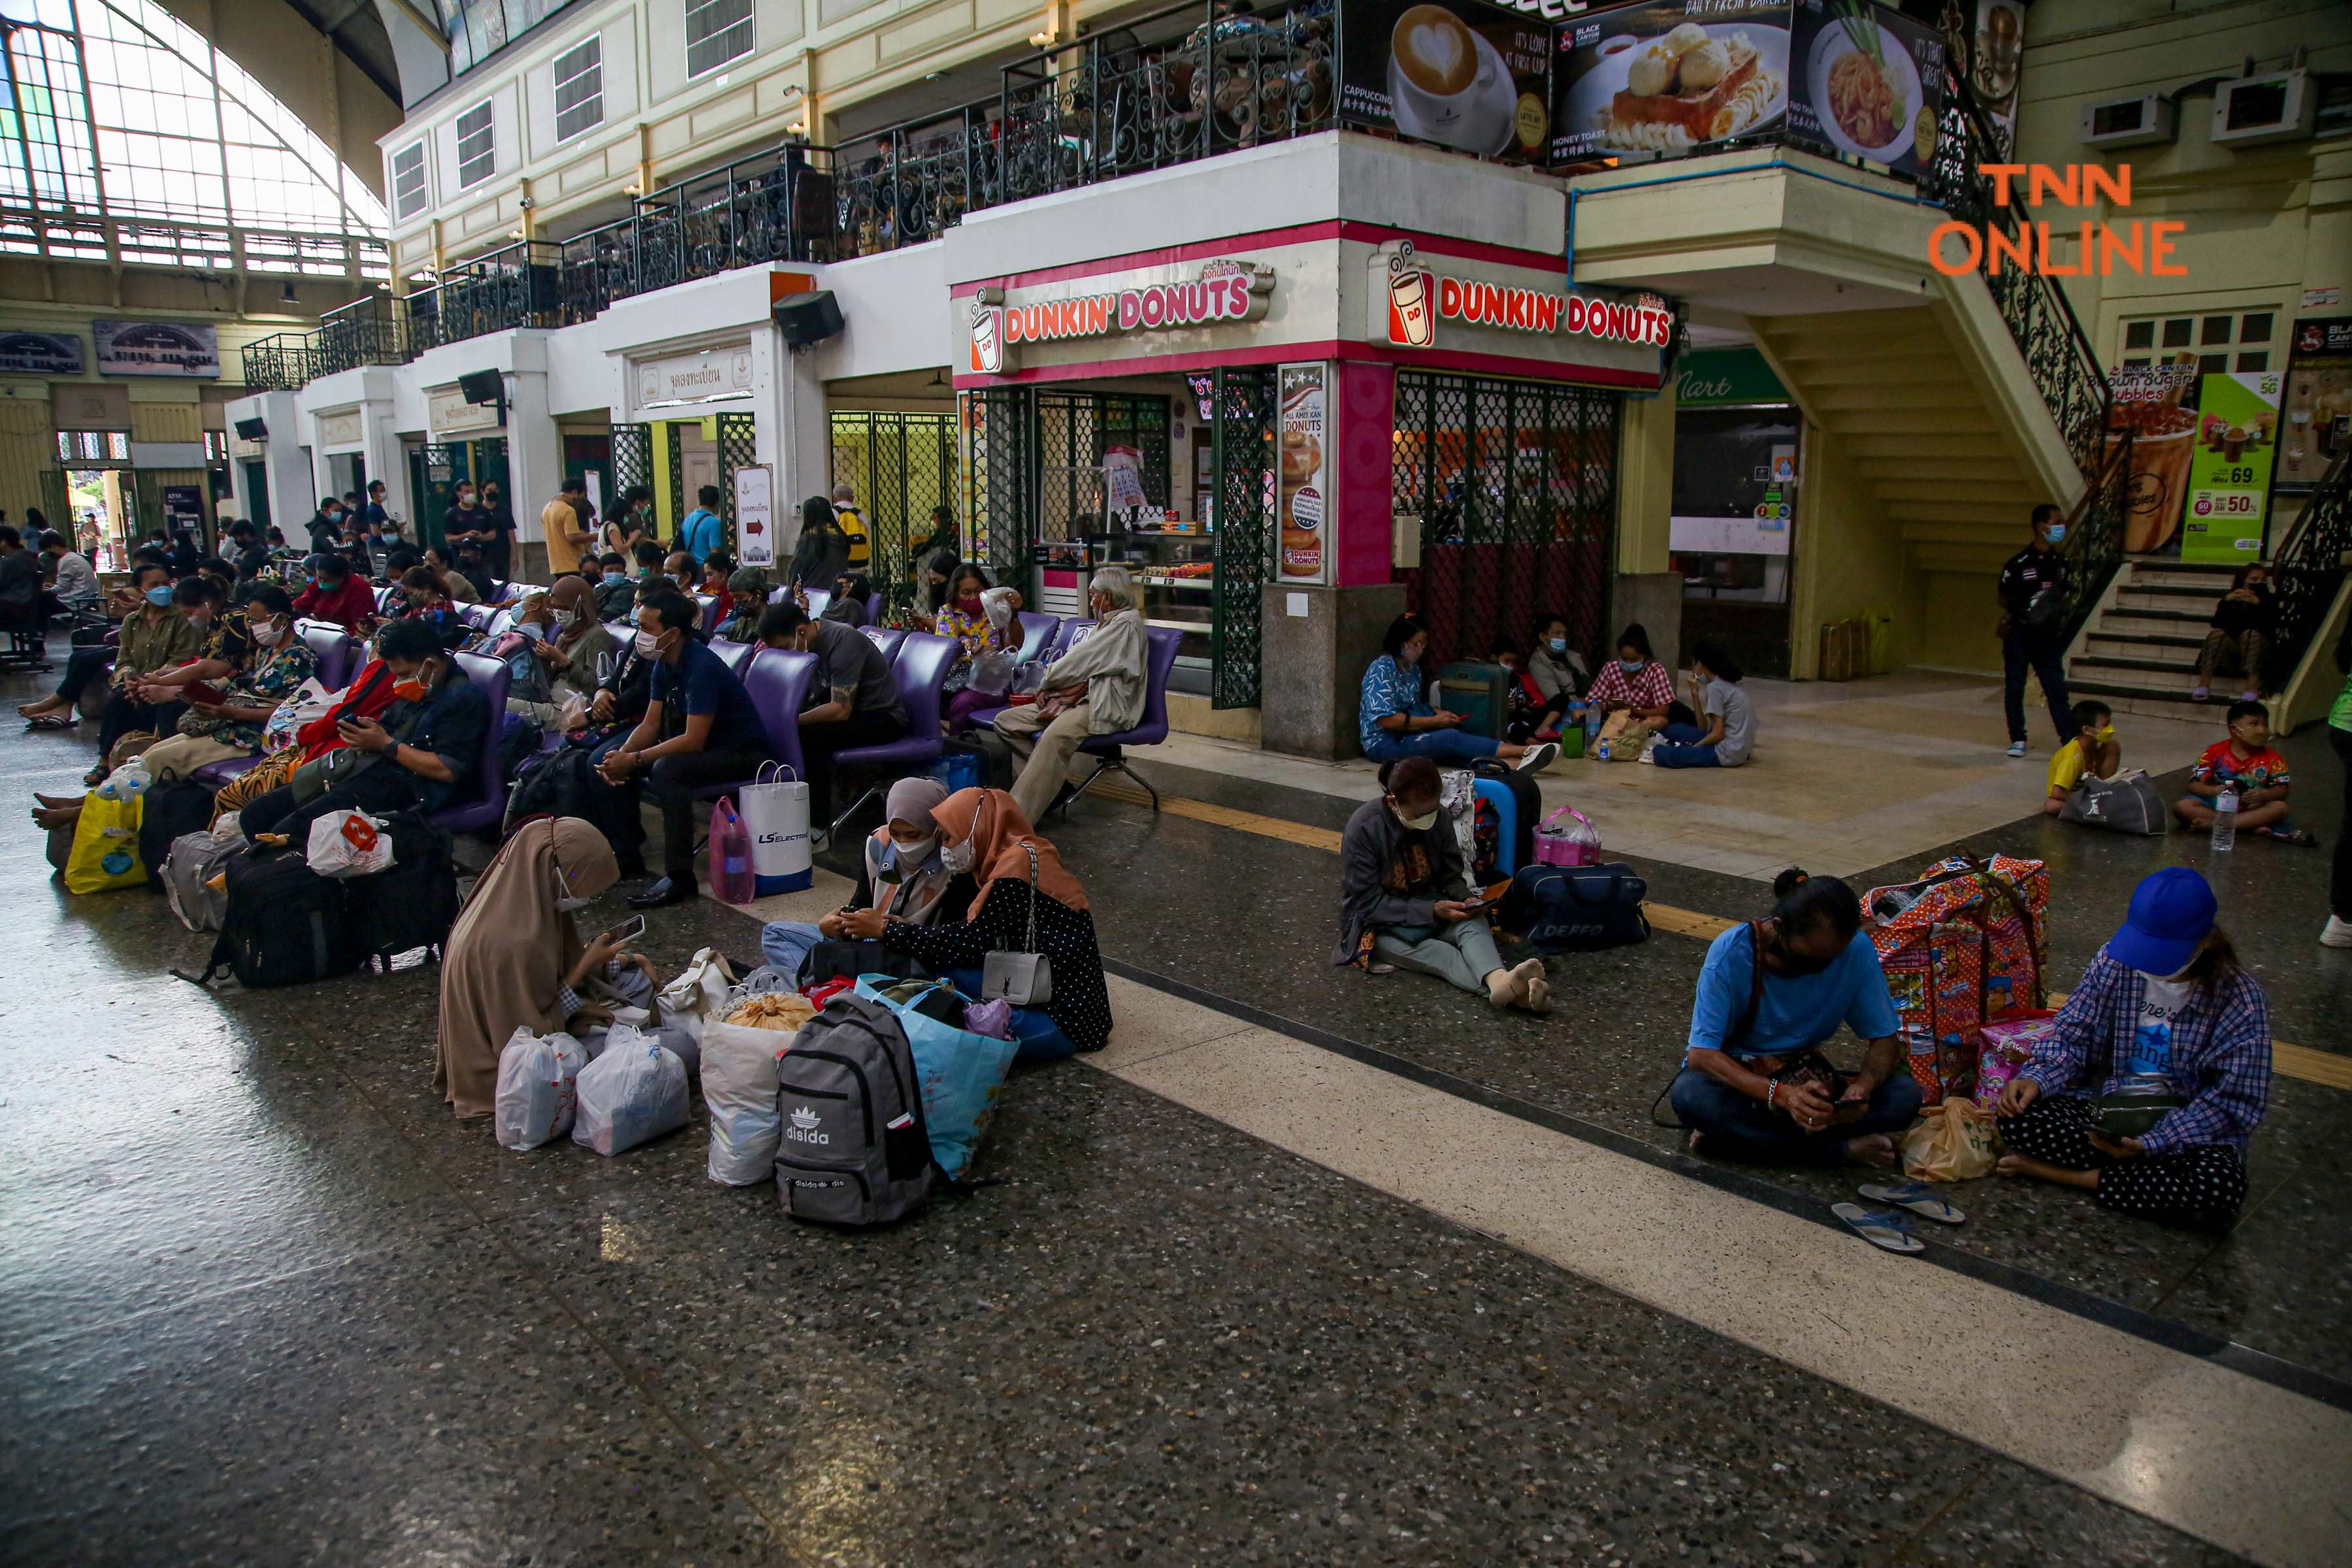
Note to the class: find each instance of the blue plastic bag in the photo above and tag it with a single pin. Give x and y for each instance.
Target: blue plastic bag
(958, 1072)
(961, 770)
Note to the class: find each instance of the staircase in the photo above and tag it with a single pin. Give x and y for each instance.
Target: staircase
(2139, 652)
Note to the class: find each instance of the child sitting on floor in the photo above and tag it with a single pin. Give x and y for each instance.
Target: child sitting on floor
(2094, 752)
(2248, 763)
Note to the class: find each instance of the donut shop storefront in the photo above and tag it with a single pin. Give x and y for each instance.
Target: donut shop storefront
(1288, 438)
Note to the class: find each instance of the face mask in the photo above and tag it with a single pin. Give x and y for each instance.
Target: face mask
(1422, 823)
(564, 902)
(613, 579)
(2057, 532)
(901, 861)
(464, 498)
(267, 635)
(1558, 645)
(411, 690)
(648, 643)
(956, 857)
(565, 618)
(159, 598)
(1630, 665)
(968, 607)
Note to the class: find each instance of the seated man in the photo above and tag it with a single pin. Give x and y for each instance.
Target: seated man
(419, 756)
(2247, 765)
(853, 701)
(159, 636)
(473, 566)
(336, 593)
(616, 591)
(1754, 1083)
(699, 728)
(2094, 752)
(20, 581)
(1096, 689)
(74, 586)
(747, 598)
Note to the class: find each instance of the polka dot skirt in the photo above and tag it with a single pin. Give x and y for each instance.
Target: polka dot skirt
(2204, 1184)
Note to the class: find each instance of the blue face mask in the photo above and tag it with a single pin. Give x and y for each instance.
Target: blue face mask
(614, 577)
(2057, 532)
(1630, 665)
(1558, 645)
(159, 598)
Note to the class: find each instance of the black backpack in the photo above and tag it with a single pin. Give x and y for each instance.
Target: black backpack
(411, 904)
(165, 813)
(286, 924)
(1576, 909)
(565, 783)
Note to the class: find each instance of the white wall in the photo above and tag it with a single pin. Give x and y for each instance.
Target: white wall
(895, 314)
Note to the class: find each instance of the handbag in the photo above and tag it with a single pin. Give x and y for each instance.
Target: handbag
(336, 768)
(775, 811)
(1577, 845)
(2125, 803)
(1025, 979)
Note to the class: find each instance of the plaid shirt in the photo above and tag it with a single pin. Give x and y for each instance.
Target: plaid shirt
(2221, 1053)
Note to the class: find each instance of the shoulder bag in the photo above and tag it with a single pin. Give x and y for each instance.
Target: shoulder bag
(1025, 979)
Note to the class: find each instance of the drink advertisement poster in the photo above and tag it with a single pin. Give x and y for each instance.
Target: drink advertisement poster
(2230, 473)
(1461, 73)
(1867, 82)
(2316, 426)
(1668, 78)
(2150, 406)
(1303, 393)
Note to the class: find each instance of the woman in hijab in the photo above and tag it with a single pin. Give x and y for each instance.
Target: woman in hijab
(514, 960)
(901, 875)
(982, 831)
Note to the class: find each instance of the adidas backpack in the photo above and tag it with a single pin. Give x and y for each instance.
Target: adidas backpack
(854, 1150)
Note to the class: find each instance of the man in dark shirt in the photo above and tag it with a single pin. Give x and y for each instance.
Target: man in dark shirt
(856, 700)
(477, 571)
(463, 521)
(699, 728)
(496, 526)
(327, 526)
(2032, 629)
(246, 552)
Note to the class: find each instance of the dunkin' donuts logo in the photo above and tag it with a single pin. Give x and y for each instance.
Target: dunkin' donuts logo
(1419, 300)
(1225, 291)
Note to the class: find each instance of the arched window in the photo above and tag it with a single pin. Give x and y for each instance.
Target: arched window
(118, 121)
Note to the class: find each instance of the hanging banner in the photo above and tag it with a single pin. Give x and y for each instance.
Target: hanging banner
(755, 515)
(2230, 473)
(1867, 82)
(1303, 395)
(2150, 404)
(41, 353)
(1123, 483)
(1994, 57)
(2318, 417)
(156, 348)
(1464, 74)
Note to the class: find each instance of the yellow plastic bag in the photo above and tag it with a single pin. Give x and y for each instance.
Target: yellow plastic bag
(106, 846)
(1953, 1142)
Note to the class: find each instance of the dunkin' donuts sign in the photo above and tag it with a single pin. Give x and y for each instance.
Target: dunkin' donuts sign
(1419, 300)
(1225, 291)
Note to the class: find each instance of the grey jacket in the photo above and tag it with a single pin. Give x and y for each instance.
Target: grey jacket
(1112, 662)
(1376, 889)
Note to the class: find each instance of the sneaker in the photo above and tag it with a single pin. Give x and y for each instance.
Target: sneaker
(2016, 748)
(2336, 932)
(2202, 694)
(1536, 758)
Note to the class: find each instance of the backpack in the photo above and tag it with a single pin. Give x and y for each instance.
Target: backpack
(195, 859)
(1576, 909)
(411, 904)
(284, 924)
(168, 814)
(565, 783)
(855, 1149)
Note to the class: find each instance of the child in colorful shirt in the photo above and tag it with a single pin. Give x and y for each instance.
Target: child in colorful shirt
(2248, 763)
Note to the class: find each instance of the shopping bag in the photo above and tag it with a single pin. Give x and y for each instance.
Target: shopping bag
(2004, 1047)
(960, 1073)
(629, 1096)
(699, 993)
(739, 1089)
(105, 853)
(1953, 1142)
(775, 812)
(1577, 843)
(348, 844)
(731, 879)
(310, 701)
(537, 1088)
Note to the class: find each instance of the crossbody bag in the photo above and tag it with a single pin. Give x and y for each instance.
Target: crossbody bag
(1025, 978)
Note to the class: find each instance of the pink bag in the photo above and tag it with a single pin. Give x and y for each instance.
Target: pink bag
(732, 881)
(1579, 845)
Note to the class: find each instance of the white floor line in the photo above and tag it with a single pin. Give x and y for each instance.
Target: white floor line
(2242, 1464)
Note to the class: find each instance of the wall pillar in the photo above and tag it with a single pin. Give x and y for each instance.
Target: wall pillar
(534, 454)
(791, 436)
(386, 458)
(1647, 588)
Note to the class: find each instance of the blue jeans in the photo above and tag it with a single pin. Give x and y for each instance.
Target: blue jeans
(1679, 748)
(1444, 745)
(1746, 1130)
(2048, 658)
(786, 943)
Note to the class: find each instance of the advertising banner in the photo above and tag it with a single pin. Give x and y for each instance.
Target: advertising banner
(156, 348)
(2230, 473)
(1668, 78)
(1994, 57)
(39, 353)
(1461, 73)
(2150, 404)
(1867, 82)
(755, 515)
(1726, 378)
(2318, 425)
(1303, 393)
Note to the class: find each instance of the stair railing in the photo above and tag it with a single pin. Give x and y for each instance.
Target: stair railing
(2307, 571)
(2093, 545)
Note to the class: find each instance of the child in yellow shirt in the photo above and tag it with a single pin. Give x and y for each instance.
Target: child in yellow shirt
(2094, 751)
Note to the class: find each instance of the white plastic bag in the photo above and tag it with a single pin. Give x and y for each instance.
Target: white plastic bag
(655, 1030)
(775, 812)
(699, 992)
(347, 844)
(310, 700)
(537, 1087)
(629, 1096)
(128, 781)
(739, 1088)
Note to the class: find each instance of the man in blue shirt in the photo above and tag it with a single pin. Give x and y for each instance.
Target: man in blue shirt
(698, 729)
(1753, 1083)
(704, 530)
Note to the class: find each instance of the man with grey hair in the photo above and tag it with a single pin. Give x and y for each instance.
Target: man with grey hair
(1096, 689)
(852, 523)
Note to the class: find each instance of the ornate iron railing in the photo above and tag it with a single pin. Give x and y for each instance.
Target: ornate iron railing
(910, 184)
(365, 332)
(279, 363)
(2093, 545)
(517, 285)
(2307, 570)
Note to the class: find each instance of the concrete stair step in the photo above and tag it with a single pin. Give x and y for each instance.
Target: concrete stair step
(2127, 667)
(2188, 601)
(2177, 622)
(2214, 580)
(2180, 650)
(2151, 703)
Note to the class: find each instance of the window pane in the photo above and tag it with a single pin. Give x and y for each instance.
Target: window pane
(2212, 364)
(716, 31)
(2217, 330)
(2176, 333)
(2141, 360)
(2139, 334)
(2258, 360)
(2254, 328)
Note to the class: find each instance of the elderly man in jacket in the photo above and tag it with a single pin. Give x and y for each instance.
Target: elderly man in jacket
(1096, 689)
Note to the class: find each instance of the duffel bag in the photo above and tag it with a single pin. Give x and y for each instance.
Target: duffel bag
(194, 862)
(2125, 803)
(167, 813)
(411, 904)
(285, 924)
(1576, 909)
(846, 960)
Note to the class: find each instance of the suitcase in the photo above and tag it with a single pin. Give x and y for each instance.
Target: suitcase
(1477, 691)
(1519, 803)
(285, 924)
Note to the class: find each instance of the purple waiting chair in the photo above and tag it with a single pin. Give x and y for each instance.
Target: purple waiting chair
(485, 806)
(921, 666)
(339, 656)
(1151, 730)
(777, 680)
(735, 655)
(889, 639)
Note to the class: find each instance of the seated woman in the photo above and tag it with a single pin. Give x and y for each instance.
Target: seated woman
(616, 591)
(2239, 636)
(417, 758)
(1554, 669)
(2165, 1000)
(1406, 902)
(514, 960)
(1636, 683)
(1754, 1084)
(980, 619)
(1730, 733)
(568, 643)
(747, 590)
(850, 592)
(1394, 723)
(454, 583)
(901, 875)
(718, 571)
(982, 831)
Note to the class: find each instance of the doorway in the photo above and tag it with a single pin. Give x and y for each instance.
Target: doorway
(436, 468)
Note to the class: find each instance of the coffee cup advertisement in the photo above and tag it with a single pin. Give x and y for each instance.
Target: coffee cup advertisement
(1460, 73)
(2229, 470)
(2315, 425)
(1668, 78)
(1303, 398)
(2151, 405)
(1866, 82)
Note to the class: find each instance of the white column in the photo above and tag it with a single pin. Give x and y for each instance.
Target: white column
(534, 447)
(380, 447)
(293, 490)
(788, 402)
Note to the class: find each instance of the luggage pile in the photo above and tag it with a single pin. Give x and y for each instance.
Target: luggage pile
(1963, 946)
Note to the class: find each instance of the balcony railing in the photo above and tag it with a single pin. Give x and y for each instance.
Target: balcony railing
(519, 286)
(282, 361)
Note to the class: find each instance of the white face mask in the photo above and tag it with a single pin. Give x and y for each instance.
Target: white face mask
(957, 858)
(564, 618)
(1422, 823)
(267, 635)
(648, 643)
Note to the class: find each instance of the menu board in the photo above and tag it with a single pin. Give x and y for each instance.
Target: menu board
(1461, 73)
(1868, 82)
(2230, 473)
(2316, 426)
(1669, 77)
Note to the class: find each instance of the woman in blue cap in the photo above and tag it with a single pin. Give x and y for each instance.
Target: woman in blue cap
(2165, 1025)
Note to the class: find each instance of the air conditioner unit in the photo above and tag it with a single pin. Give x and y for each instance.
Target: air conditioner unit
(2254, 110)
(2141, 122)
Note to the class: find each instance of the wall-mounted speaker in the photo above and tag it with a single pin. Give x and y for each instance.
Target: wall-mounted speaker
(806, 319)
(482, 386)
(251, 430)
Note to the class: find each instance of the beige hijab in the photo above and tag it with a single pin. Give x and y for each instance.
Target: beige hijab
(510, 952)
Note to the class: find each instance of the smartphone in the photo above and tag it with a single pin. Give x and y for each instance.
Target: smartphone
(627, 930)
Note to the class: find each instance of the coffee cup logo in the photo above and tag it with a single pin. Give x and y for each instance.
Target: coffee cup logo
(1433, 48)
(1412, 312)
(987, 340)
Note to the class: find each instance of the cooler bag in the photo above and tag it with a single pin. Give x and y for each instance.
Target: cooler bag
(1961, 947)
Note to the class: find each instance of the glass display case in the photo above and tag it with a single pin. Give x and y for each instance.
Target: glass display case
(1174, 565)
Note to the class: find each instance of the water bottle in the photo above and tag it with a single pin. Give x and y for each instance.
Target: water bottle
(1592, 724)
(2225, 819)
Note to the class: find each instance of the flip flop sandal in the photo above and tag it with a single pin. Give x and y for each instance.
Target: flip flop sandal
(2301, 836)
(1917, 1197)
(1379, 969)
(48, 721)
(1884, 1228)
